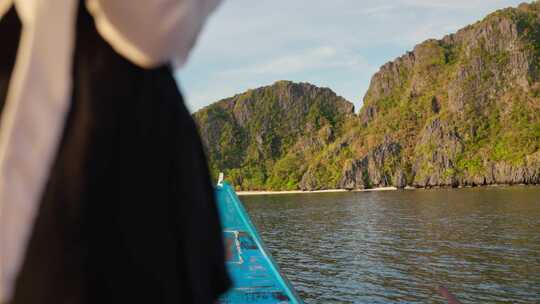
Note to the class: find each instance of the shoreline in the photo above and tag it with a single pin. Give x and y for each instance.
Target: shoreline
(264, 192)
(246, 193)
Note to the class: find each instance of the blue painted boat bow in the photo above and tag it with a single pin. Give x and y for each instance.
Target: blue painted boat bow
(255, 275)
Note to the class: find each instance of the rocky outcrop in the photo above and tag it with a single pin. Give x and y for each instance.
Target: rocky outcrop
(467, 105)
(379, 168)
(263, 138)
(435, 154)
(460, 111)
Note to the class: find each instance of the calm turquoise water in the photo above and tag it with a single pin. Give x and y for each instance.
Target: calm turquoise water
(399, 246)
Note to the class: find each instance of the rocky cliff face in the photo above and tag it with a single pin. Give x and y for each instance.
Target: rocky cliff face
(463, 110)
(264, 138)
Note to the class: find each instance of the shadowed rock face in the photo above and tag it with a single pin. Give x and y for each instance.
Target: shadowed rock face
(463, 110)
(374, 169)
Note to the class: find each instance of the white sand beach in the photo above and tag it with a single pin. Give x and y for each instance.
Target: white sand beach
(245, 193)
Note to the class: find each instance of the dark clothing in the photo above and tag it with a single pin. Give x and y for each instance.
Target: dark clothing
(128, 214)
(10, 30)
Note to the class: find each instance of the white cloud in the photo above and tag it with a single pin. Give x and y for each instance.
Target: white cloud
(325, 57)
(454, 4)
(378, 10)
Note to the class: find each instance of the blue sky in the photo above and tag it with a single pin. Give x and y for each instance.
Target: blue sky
(331, 43)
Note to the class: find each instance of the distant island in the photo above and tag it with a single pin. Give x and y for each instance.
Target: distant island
(460, 111)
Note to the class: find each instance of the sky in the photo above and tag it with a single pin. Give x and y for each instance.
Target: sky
(338, 44)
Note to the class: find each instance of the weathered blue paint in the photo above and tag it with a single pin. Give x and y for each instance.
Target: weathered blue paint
(256, 277)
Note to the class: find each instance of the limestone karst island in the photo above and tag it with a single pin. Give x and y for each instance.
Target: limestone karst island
(460, 111)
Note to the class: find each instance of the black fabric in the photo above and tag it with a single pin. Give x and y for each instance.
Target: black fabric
(10, 31)
(128, 215)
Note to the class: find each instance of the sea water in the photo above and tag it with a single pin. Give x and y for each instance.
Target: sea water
(400, 246)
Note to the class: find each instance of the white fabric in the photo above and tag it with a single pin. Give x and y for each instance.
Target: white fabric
(4, 6)
(148, 33)
(32, 122)
(156, 31)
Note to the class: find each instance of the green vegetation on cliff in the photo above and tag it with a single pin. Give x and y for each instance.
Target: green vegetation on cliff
(463, 110)
(265, 138)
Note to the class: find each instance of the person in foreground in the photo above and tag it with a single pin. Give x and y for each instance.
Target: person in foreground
(105, 195)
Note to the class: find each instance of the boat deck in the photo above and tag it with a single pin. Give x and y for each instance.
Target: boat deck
(256, 277)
